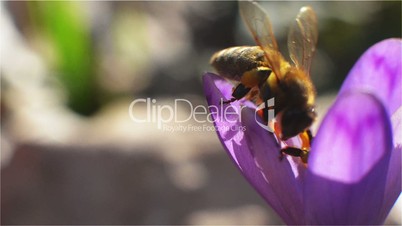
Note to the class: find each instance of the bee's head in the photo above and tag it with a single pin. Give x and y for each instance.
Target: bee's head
(296, 120)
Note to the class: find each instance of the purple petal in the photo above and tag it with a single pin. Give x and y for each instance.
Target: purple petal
(378, 71)
(216, 88)
(393, 184)
(265, 150)
(348, 164)
(225, 116)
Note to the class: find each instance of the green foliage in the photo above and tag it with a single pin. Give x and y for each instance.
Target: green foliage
(64, 25)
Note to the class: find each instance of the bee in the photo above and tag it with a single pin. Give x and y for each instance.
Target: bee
(263, 68)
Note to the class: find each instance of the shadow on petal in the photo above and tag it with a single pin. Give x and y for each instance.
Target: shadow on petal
(348, 164)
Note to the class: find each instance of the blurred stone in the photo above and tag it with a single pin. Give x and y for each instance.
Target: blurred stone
(236, 216)
(83, 185)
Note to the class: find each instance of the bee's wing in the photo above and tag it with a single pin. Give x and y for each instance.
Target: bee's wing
(260, 27)
(302, 38)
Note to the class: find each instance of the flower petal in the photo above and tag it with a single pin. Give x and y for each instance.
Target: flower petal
(265, 150)
(348, 163)
(396, 121)
(215, 88)
(225, 116)
(393, 184)
(378, 71)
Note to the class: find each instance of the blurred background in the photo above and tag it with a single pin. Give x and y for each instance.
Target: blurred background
(70, 154)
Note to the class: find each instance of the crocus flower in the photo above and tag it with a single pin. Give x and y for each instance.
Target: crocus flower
(353, 174)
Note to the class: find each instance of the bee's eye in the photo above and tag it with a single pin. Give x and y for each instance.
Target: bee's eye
(296, 120)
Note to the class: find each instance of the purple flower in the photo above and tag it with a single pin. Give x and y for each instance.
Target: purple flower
(354, 170)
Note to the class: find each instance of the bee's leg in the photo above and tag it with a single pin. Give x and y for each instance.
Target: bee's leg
(239, 92)
(303, 152)
(297, 152)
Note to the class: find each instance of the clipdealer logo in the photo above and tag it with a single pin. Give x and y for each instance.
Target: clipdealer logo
(166, 116)
(269, 105)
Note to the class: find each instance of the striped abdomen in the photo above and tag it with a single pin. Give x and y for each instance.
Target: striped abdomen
(233, 62)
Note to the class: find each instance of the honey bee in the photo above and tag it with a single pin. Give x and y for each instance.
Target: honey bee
(263, 68)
